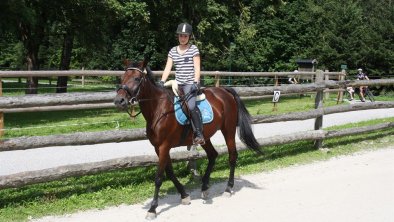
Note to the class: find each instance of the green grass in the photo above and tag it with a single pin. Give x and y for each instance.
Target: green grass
(13, 88)
(136, 185)
(285, 105)
(62, 122)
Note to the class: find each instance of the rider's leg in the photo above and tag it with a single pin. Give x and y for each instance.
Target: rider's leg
(362, 93)
(197, 126)
(351, 92)
(195, 116)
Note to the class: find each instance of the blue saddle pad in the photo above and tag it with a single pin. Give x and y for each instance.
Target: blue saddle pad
(203, 105)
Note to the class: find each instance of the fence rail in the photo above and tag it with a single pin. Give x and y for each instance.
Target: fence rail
(54, 100)
(57, 173)
(57, 73)
(10, 104)
(85, 138)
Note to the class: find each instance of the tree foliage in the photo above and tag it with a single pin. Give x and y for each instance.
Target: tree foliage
(241, 35)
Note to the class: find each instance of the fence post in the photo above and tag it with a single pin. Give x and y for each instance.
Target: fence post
(83, 80)
(340, 93)
(327, 77)
(318, 105)
(1, 113)
(192, 164)
(217, 79)
(275, 107)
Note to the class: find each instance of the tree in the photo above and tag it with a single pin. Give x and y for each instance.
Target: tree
(85, 20)
(27, 20)
(246, 35)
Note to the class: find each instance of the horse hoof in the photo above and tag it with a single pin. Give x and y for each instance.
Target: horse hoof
(186, 200)
(150, 216)
(205, 194)
(205, 197)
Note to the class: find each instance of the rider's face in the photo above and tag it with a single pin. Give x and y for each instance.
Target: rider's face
(183, 39)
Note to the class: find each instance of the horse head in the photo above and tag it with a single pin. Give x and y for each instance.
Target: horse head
(131, 82)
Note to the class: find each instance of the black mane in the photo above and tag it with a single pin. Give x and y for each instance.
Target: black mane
(150, 75)
(148, 71)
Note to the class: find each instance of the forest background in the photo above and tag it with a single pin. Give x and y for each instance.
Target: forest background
(232, 35)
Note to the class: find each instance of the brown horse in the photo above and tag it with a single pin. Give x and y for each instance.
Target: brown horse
(164, 132)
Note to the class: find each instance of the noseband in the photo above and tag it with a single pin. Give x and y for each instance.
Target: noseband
(133, 99)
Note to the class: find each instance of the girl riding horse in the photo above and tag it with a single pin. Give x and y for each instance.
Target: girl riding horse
(164, 132)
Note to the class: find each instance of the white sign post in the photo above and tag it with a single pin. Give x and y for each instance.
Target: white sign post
(275, 99)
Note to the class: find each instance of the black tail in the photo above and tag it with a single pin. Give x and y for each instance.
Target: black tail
(245, 132)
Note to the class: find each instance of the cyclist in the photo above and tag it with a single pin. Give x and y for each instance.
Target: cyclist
(362, 76)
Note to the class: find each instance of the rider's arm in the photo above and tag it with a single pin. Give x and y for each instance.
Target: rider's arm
(366, 77)
(197, 69)
(167, 69)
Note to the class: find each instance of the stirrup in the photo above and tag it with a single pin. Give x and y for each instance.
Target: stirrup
(198, 141)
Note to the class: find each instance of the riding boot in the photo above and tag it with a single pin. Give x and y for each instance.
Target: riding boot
(197, 127)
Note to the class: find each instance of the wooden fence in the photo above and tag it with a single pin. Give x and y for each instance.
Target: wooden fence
(8, 104)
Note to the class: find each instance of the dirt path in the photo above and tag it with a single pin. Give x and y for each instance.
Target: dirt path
(358, 188)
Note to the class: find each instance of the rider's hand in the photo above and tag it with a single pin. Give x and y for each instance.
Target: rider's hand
(195, 87)
(161, 83)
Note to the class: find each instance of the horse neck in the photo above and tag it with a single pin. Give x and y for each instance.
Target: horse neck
(151, 99)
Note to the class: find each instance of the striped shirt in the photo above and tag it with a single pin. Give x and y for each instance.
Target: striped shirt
(184, 66)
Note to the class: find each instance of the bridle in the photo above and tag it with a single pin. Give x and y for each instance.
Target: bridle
(133, 99)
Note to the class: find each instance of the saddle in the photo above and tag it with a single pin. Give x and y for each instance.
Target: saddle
(202, 103)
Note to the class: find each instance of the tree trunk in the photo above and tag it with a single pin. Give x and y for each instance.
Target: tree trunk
(32, 64)
(31, 43)
(65, 61)
(31, 82)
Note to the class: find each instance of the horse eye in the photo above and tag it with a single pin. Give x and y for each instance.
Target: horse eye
(137, 79)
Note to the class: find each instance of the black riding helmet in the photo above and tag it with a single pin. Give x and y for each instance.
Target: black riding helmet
(184, 28)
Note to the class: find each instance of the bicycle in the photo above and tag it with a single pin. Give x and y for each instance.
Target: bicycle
(368, 93)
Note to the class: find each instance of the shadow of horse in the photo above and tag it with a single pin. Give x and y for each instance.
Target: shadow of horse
(215, 191)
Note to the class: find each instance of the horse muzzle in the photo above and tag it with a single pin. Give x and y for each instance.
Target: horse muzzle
(121, 103)
(133, 101)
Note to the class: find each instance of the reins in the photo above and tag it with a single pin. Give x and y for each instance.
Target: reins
(135, 98)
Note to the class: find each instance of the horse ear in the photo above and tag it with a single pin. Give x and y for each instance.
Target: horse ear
(147, 55)
(145, 61)
(126, 62)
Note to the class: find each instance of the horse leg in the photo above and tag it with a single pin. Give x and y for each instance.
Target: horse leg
(163, 159)
(233, 155)
(170, 173)
(212, 155)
